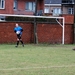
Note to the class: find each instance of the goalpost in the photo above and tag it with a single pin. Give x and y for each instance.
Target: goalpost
(46, 17)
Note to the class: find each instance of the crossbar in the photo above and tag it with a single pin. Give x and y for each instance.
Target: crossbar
(30, 16)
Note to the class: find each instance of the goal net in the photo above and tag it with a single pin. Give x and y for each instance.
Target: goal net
(39, 19)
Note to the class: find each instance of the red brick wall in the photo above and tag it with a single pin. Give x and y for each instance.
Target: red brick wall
(7, 34)
(53, 33)
(40, 4)
(69, 33)
(69, 19)
(8, 7)
(47, 33)
(21, 7)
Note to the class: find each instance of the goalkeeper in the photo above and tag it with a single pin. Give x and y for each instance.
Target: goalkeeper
(18, 30)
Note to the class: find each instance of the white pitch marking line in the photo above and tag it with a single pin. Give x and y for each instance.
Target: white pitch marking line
(44, 67)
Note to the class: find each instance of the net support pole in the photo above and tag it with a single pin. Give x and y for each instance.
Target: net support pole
(63, 30)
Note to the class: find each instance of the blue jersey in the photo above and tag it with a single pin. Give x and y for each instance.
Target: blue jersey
(18, 29)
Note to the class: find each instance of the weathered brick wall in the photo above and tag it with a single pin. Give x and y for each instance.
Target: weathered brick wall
(21, 7)
(8, 7)
(53, 33)
(69, 19)
(69, 33)
(47, 33)
(7, 34)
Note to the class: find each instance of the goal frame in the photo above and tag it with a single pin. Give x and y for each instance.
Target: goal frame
(32, 16)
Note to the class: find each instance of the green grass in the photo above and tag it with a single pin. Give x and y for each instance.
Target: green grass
(41, 59)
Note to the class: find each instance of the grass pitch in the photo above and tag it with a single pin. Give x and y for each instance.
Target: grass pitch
(41, 59)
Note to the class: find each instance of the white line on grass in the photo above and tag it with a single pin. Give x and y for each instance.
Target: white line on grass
(44, 67)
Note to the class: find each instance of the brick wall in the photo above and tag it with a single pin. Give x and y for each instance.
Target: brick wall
(47, 33)
(7, 34)
(53, 33)
(21, 7)
(69, 33)
(8, 7)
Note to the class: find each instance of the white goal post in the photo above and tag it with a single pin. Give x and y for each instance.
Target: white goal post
(31, 16)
